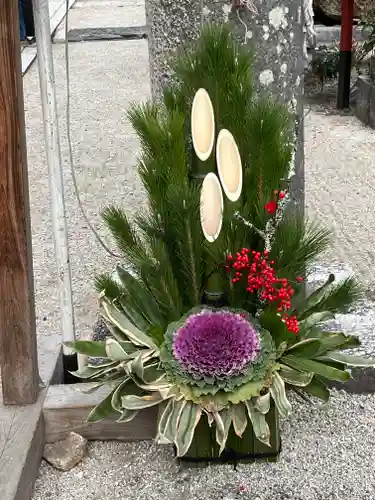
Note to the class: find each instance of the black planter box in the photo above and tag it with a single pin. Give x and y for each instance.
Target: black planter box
(204, 450)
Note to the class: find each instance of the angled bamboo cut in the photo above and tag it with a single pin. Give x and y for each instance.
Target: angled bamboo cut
(208, 315)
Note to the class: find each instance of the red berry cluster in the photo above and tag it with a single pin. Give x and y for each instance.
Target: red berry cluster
(260, 277)
(272, 206)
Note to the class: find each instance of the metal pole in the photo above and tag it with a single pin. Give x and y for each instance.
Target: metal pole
(345, 64)
(52, 142)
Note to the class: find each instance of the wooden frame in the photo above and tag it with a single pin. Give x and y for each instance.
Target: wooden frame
(66, 409)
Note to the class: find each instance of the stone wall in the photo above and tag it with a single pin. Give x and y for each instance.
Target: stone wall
(274, 31)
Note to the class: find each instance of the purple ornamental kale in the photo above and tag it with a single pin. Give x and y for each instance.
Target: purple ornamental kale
(215, 343)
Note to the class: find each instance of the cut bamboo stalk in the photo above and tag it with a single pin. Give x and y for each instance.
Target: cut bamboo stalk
(211, 207)
(202, 125)
(229, 165)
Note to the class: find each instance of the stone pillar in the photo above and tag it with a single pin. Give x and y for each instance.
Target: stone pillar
(273, 28)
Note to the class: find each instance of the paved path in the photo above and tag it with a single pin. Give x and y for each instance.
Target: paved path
(340, 186)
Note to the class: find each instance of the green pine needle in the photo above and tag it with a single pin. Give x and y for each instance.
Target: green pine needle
(341, 296)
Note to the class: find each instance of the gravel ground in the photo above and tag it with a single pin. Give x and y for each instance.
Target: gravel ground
(325, 457)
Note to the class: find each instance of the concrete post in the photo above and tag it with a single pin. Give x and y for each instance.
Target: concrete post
(273, 28)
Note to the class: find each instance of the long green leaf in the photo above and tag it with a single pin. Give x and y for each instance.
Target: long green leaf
(259, 423)
(164, 417)
(130, 330)
(174, 420)
(116, 396)
(313, 320)
(262, 403)
(295, 377)
(136, 367)
(312, 366)
(239, 418)
(102, 410)
(278, 394)
(132, 402)
(347, 360)
(332, 341)
(93, 372)
(189, 419)
(306, 348)
(94, 348)
(222, 431)
(313, 299)
(127, 416)
(318, 389)
(115, 351)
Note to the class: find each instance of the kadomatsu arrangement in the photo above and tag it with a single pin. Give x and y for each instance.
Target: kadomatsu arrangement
(208, 312)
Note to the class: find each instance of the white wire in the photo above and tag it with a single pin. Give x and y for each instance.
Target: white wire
(245, 26)
(69, 139)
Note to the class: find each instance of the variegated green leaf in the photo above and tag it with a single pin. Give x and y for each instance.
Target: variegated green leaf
(174, 420)
(210, 419)
(239, 418)
(118, 319)
(127, 416)
(164, 417)
(294, 377)
(102, 410)
(281, 349)
(170, 392)
(313, 320)
(316, 367)
(116, 397)
(153, 373)
(132, 402)
(115, 351)
(135, 367)
(279, 395)
(94, 348)
(333, 341)
(222, 433)
(318, 389)
(93, 372)
(315, 297)
(259, 423)
(306, 348)
(347, 360)
(188, 422)
(263, 403)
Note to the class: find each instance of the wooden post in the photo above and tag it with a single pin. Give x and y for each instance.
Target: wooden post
(18, 349)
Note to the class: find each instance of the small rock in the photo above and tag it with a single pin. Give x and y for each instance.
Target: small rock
(66, 454)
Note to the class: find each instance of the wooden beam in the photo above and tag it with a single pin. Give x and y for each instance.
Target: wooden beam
(66, 409)
(18, 351)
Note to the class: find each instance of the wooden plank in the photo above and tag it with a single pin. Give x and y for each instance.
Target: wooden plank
(18, 350)
(66, 409)
(20, 461)
(22, 430)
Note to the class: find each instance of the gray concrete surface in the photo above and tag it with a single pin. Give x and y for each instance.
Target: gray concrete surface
(103, 14)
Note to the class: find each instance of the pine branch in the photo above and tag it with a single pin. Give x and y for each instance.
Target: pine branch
(297, 244)
(340, 297)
